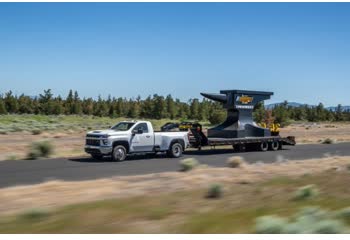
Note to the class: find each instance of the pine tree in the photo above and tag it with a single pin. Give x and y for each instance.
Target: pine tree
(76, 106)
(2, 107)
(69, 102)
(46, 103)
(194, 108)
(11, 103)
(171, 107)
(259, 113)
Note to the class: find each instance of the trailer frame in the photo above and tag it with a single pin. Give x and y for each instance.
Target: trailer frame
(273, 143)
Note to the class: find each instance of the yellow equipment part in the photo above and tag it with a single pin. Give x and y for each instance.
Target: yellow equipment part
(274, 127)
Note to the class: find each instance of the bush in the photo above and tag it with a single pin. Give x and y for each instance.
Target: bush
(214, 191)
(308, 220)
(270, 225)
(328, 141)
(329, 226)
(11, 157)
(217, 117)
(3, 132)
(344, 214)
(40, 149)
(34, 214)
(188, 164)
(348, 167)
(306, 192)
(235, 162)
(36, 132)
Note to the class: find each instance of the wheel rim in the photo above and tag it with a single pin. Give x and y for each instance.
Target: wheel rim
(119, 154)
(275, 145)
(264, 146)
(176, 150)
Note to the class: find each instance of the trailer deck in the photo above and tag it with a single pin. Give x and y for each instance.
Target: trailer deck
(199, 139)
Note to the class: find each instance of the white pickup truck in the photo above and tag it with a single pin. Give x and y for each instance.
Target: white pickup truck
(130, 137)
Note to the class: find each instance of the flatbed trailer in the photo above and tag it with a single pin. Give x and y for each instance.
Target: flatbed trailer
(239, 129)
(274, 143)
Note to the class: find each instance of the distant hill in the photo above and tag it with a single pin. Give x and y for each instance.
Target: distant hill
(290, 104)
(295, 104)
(344, 108)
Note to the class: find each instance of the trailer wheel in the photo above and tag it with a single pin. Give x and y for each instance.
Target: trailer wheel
(175, 150)
(263, 146)
(274, 146)
(119, 153)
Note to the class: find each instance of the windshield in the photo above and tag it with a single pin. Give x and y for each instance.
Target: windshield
(122, 126)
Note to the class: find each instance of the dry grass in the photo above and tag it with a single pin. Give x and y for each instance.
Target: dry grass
(318, 132)
(175, 203)
(59, 193)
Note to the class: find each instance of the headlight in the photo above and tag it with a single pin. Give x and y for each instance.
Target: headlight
(105, 141)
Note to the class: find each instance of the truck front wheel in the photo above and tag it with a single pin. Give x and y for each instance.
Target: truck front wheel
(119, 153)
(175, 150)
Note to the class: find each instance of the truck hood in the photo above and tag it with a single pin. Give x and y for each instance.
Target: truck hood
(109, 132)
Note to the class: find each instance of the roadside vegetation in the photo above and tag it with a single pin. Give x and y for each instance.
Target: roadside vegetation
(38, 124)
(257, 207)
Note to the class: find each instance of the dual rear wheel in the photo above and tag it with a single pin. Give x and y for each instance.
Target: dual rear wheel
(263, 146)
(273, 146)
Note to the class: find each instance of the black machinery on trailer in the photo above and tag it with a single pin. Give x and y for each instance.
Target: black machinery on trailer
(239, 129)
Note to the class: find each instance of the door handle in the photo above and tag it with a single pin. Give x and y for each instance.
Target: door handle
(148, 136)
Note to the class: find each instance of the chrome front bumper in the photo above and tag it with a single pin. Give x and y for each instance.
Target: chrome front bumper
(104, 150)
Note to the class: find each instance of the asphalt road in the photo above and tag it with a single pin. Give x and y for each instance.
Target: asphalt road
(21, 172)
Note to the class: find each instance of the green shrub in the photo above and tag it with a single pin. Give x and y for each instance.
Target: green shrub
(306, 192)
(235, 162)
(328, 141)
(329, 226)
(36, 132)
(217, 117)
(11, 157)
(344, 214)
(307, 220)
(3, 132)
(40, 149)
(270, 225)
(188, 164)
(214, 191)
(35, 214)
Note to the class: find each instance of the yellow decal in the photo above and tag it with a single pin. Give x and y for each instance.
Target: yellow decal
(245, 99)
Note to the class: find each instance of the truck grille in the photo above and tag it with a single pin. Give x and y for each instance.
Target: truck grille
(93, 142)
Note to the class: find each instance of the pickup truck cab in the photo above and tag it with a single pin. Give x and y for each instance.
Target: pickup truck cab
(131, 137)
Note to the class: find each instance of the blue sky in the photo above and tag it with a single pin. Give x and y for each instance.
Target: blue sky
(300, 51)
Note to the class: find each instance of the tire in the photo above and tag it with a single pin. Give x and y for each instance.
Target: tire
(97, 156)
(119, 153)
(263, 146)
(175, 150)
(274, 146)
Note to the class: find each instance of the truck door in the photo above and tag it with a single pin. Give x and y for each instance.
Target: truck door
(142, 142)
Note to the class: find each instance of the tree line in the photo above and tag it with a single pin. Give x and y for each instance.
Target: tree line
(155, 107)
(158, 107)
(284, 114)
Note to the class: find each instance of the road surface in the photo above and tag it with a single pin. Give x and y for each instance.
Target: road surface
(20, 172)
